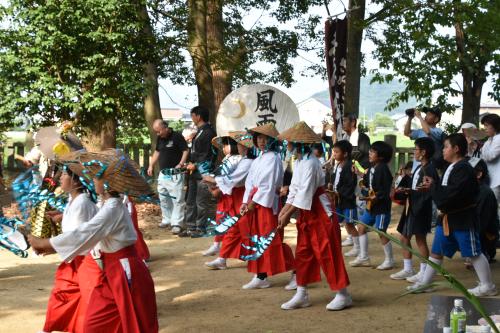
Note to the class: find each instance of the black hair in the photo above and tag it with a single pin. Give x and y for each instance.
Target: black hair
(234, 146)
(482, 168)
(345, 146)
(319, 147)
(202, 112)
(302, 148)
(426, 144)
(458, 140)
(351, 117)
(408, 165)
(383, 150)
(251, 154)
(273, 146)
(493, 120)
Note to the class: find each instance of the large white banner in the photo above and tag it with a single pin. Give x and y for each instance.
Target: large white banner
(253, 105)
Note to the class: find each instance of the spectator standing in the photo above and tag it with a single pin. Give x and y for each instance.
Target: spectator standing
(490, 152)
(200, 204)
(429, 129)
(171, 152)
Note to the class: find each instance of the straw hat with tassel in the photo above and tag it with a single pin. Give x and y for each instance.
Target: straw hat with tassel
(300, 133)
(267, 129)
(242, 138)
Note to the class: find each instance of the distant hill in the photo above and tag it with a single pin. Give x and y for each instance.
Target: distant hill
(373, 97)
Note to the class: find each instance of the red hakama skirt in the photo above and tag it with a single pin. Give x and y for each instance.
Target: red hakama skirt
(237, 234)
(278, 257)
(140, 245)
(319, 246)
(124, 299)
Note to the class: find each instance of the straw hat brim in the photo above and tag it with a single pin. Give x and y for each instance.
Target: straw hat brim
(121, 173)
(266, 129)
(475, 133)
(242, 138)
(50, 138)
(217, 142)
(300, 133)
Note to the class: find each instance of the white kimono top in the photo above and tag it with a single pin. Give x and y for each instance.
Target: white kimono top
(78, 211)
(226, 183)
(307, 177)
(111, 229)
(266, 174)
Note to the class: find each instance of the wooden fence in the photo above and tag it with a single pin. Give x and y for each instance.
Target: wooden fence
(141, 154)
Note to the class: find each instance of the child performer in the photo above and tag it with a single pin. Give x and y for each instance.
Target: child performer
(456, 197)
(65, 310)
(224, 203)
(343, 184)
(318, 238)
(416, 219)
(261, 204)
(232, 187)
(378, 180)
(486, 210)
(124, 298)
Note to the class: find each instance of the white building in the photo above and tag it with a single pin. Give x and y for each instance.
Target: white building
(313, 112)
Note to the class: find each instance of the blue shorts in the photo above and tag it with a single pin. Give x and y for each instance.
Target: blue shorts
(467, 241)
(380, 221)
(347, 215)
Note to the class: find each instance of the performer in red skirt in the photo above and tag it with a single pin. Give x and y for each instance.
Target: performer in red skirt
(261, 205)
(123, 299)
(63, 308)
(232, 189)
(140, 246)
(318, 238)
(224, 202)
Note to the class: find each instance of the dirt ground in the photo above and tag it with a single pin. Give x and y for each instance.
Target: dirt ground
(192, 298)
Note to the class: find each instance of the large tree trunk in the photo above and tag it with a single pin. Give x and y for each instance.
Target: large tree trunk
(353, 65)
(152, 110)
(197, 40)
(473, 78)
(221, 72)
(101, 136)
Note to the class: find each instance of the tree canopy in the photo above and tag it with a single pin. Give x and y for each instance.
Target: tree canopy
(427, 44)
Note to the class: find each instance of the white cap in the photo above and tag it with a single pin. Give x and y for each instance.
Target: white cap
(458, 302)
(467, 125)
(446, 329)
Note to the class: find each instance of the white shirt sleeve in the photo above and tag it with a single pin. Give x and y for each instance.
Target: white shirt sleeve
(249, 181)
(111, 227)
(491, 149)
(270, 180)
(307, 185)
(237, 178)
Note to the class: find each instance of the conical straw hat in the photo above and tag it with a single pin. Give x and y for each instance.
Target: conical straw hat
(267, 129)
(300, 132)
(53, 142)
(217, 141)
(120, 172)
(242, 137)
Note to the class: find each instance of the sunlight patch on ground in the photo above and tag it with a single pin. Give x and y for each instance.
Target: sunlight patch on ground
(194, 295)
(166, 286)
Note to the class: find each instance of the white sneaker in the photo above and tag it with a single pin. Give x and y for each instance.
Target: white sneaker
(163, 225)
(354, 252)
(298, 301)
(417, 288)
(257, 283)
(361, 262)
(218, 263)
(415, 278)
(483, 290)
(292, 285)
(348, 241)
(402, 275)
(340, 302)
(212, 250)
(176, 230)
(387, 264)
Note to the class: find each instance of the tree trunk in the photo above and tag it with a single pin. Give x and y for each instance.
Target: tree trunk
(152, 110)
(197, 46)
(473, 78)
(353, 65)
(101, 136)
(221, 71)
